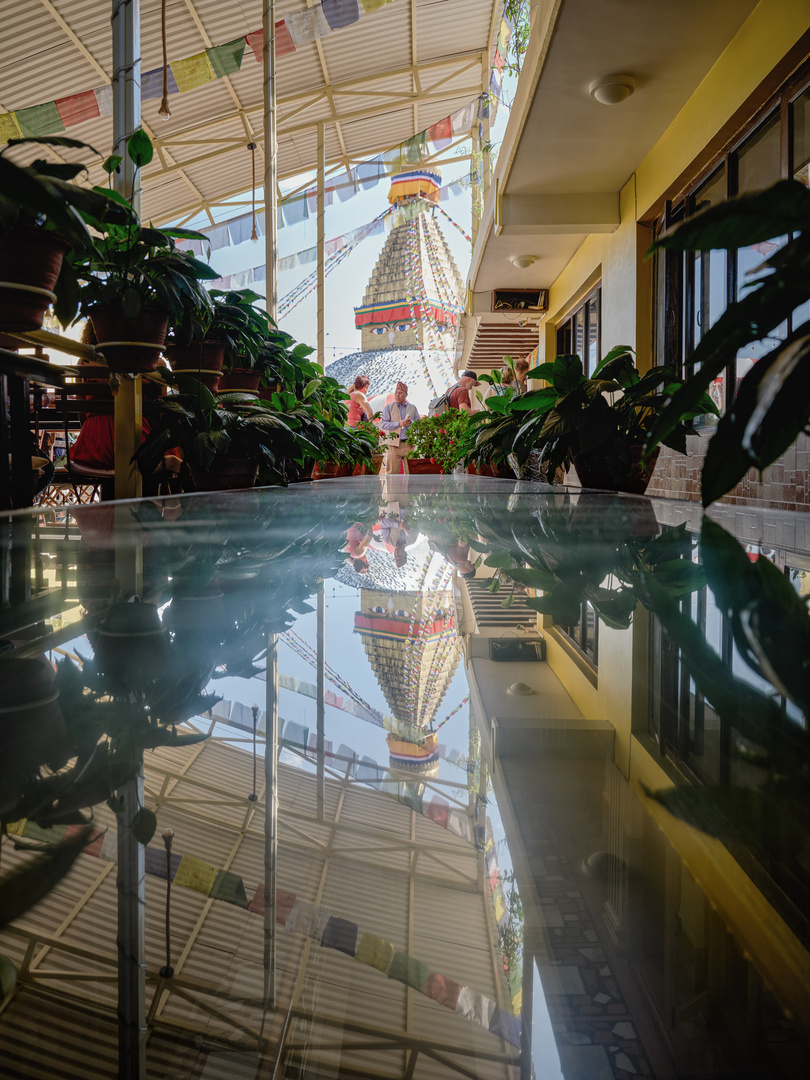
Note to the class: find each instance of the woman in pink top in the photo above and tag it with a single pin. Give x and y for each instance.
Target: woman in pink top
(359, 405)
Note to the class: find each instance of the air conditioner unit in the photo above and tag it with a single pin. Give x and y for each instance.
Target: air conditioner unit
(529, 300)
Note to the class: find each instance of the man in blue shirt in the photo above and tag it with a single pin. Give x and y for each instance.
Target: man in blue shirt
(396, 419)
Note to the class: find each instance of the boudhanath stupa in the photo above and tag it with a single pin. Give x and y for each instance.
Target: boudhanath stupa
(408, 317)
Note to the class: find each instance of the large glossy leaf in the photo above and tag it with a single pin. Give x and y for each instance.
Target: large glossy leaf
(536, 400)
(139, 148)
(567, 374)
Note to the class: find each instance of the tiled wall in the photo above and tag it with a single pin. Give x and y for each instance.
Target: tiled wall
(784, 486)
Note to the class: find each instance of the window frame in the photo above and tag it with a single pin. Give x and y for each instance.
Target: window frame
(588, 307)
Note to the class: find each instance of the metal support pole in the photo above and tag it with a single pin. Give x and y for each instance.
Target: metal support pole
(126, 92)
(486, 165)
(476, 181)
(270, 154)
(270, 823)
(320, 700)
(131, 938)
(321, 245)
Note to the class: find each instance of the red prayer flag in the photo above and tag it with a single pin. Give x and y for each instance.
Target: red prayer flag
(284, 43)
(77, 108)
(442, 989)
(441, 133)
(499, 60)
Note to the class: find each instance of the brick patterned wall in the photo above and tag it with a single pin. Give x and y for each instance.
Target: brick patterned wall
(784, 486)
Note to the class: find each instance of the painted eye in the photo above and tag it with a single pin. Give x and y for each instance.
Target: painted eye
(378, 329)
(402, 326)
(401, 613)
(378, 610)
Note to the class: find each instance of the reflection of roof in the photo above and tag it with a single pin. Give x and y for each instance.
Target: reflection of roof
(383, 573)
(207, 1018)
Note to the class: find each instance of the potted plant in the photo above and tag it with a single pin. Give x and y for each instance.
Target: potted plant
(436, 442)
(376, 444)
(243, 329)
(223, 440)
(42, 216)
(134, 281)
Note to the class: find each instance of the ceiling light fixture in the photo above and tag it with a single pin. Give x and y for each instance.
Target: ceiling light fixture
(523, 262)
(612, 89)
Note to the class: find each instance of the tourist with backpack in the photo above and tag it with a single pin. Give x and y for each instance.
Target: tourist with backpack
(456, 397)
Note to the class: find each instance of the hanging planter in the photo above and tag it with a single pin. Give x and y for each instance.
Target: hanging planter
(130, 345)
(30, 262)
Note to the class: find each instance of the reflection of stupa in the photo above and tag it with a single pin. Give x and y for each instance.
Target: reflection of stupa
(410, 640)
(412, 299)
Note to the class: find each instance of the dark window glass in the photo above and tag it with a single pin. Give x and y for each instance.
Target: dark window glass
(579, 332)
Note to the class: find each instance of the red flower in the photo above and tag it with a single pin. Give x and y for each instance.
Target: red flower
(432, 462)
(442, 431)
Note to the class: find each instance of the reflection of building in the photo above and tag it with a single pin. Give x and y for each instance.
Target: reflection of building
(410, 640)
(660, 951)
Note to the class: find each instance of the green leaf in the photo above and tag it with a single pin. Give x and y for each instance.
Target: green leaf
(143, 825)
(534, 577)
(111, 164)
(494, 585)
(567, 374)
(499, 560)
(8, 977)
(311, 387)
(27, 884)
(139, 148)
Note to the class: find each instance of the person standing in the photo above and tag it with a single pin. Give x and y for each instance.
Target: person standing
(458, 397)
(396, 420)
(359, 405)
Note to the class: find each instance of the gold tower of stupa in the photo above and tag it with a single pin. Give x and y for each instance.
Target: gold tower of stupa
(415, 281)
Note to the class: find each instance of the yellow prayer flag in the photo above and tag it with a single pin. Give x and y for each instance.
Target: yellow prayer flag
(9, 129)
(373, 5)
(193, 873)
(16, 827)
(376, 952)
(517, 1003)
(192, 72)
(500, 907)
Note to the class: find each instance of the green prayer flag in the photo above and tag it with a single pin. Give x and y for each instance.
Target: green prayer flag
(414, 149)
(230, 888)
(226, 59)
(40, 120)
(53, 835)
(406, 969)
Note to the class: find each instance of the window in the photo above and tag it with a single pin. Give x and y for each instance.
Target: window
(584, 634)
(692, 290)
(579, 332)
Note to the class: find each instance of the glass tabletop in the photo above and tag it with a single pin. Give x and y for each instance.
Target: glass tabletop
(535, 803)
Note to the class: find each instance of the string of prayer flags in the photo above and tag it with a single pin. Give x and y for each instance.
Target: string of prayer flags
(340, 13)
(308, 25)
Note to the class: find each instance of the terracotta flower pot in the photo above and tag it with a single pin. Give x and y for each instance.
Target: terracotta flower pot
(148, 329)
(593, 473)
(205, 356)
(330, 470)
(240, 379)
(33, 258)
(419, 466)
(210, 379)
(225, 475)
(366, 470)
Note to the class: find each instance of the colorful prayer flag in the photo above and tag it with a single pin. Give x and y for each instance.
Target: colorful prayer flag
(77, 108)
(340, 934)
(475, 1007)
(445, 991)
(104, 99)
(406, 969)
(340, 13)
(152, 83)
(226, 59)
(9, 128)
(230, 888)
(374, 5)
(441, 133)
(192, 72)
(40, 120)
(306, 26)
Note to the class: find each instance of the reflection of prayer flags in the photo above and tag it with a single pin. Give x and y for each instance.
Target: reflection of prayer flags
(306, 26)
(94, 847)
(340, 13)
(152, 83)
(376, 952)
(104, 99)
(341, 935)
(109, 846)
(230, 888)
(475, 1007)
(192, 72)
(308, 918)
(437, 810)
(443, 990)
(193, 873)
(226, 59)
(440, 134)
(517, 1003)
(514, 980)
(406, 969)
(459, 824)
(155, 862)
(505, 1026)
(369, 772)
(9, 128)
(40, 120)
(77, 108)
(374, 5)
(256, 904)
